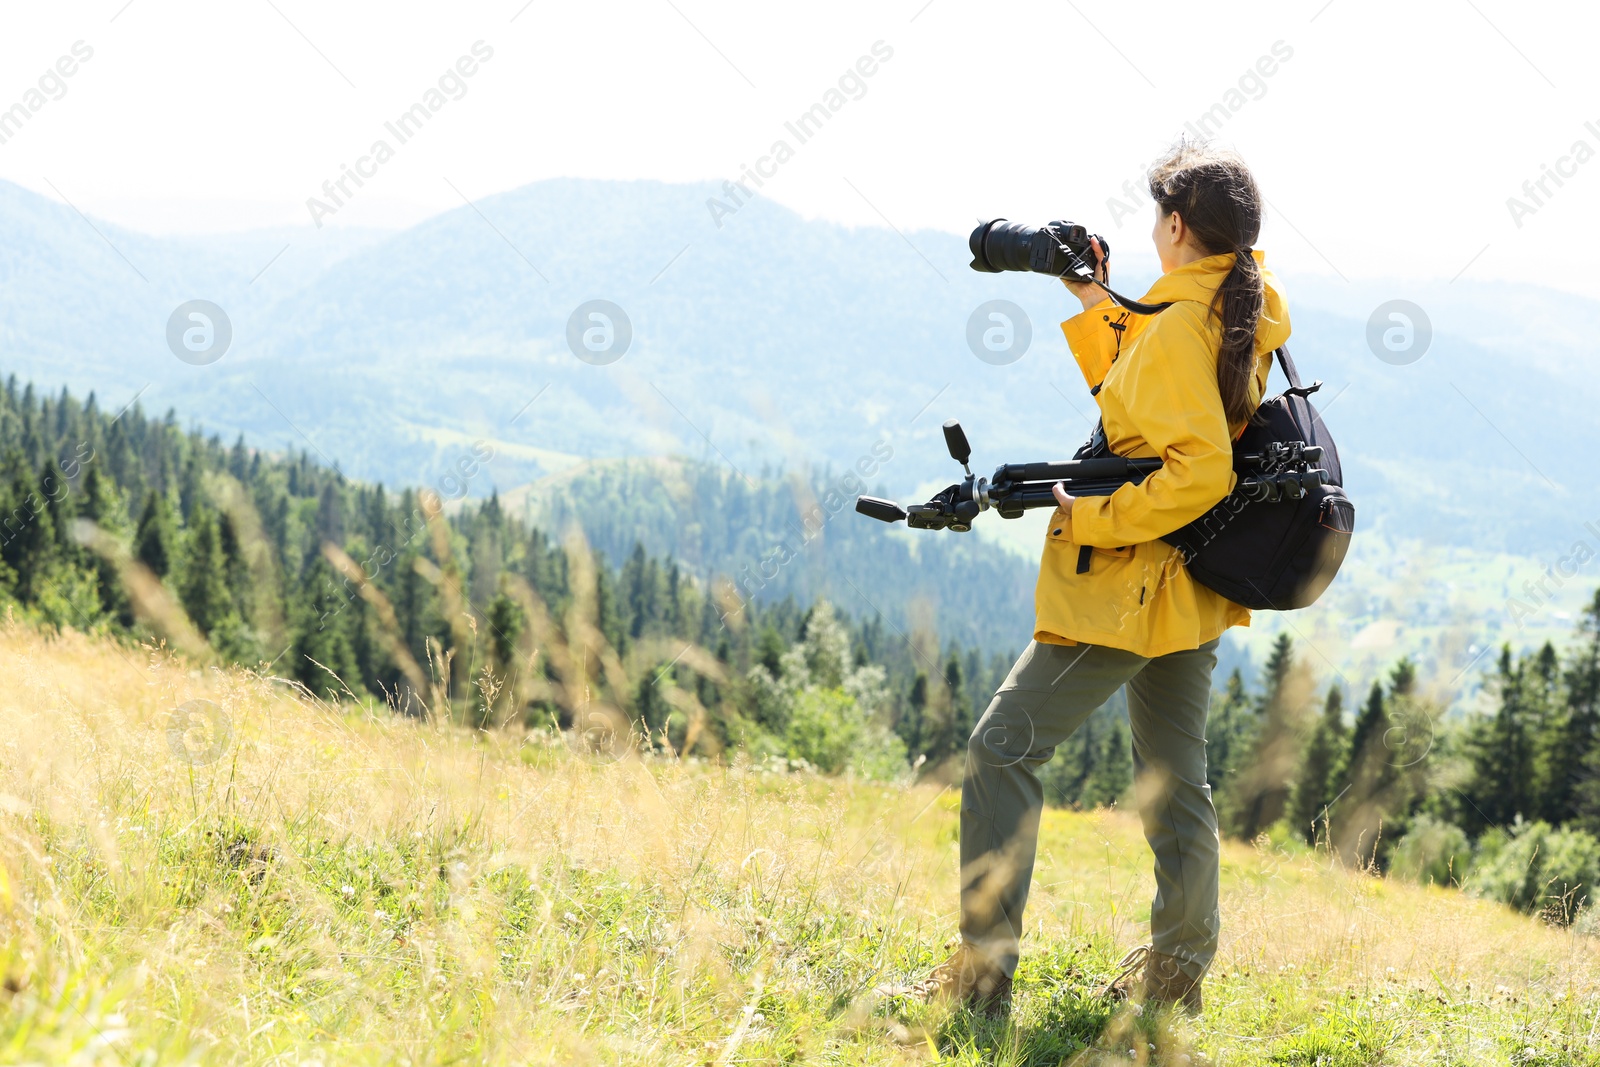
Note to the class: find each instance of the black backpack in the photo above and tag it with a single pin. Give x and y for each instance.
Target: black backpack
(1276, 554)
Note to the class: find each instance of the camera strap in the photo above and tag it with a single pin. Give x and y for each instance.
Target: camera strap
(1133, 305)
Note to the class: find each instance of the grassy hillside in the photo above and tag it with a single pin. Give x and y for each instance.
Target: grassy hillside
(315, 884)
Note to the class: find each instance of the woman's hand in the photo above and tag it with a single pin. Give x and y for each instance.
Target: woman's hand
(1088, 293)
(1059, 491)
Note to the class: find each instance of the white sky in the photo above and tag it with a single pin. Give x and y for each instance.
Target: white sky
(1387, 145)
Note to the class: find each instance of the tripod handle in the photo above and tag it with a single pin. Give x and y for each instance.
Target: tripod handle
(955, 438)
(877, 508)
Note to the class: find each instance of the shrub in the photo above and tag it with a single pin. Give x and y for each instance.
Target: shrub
(823, 728)
(827, 710)
(1433, 852)
(1539, 869)
(828, 730)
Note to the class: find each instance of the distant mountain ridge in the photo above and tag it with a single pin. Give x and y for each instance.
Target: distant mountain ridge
(774, 341)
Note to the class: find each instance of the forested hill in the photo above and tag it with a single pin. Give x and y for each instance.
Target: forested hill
(118, 521)
(780, 536)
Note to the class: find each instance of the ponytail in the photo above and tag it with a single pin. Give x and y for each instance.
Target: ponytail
(1215, 194)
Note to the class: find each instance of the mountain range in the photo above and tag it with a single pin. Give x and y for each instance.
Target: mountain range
(760, 342)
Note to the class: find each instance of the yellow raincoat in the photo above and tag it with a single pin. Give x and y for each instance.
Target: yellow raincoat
(1158, 397)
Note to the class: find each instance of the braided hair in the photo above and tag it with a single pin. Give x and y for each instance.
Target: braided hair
(1217, 198)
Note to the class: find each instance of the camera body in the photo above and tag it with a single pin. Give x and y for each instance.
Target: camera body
(1058, 248)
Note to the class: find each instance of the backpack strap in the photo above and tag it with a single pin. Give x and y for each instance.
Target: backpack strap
(1287, 363)
(1291, 373)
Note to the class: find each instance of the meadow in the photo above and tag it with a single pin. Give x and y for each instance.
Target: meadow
(266, 877)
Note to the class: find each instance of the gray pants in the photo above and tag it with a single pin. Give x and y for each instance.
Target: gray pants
(1049, 693)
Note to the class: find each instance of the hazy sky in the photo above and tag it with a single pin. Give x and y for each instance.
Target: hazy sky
(1387, 136)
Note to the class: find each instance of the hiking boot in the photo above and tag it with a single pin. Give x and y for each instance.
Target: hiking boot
(970, 979)
(1162, 982)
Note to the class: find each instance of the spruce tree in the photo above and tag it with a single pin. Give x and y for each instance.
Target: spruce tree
(1317, 784)
(1500, 755)
(322, 622)
(102, 506)
(1366, 737)
(155, 540)
(1112, 775)
(1546, 715)
(1229, 733)
(1583, 719)
(1258, 792)
(29, 545)
(912, 723)
(61, 503)
(203, 581)
(962, 719)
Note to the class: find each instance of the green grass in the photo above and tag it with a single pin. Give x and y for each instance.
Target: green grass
(342, 887)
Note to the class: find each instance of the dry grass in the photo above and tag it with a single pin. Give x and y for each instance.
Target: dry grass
(341, 886)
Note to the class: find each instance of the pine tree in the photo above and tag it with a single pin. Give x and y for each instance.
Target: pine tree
(1258, 791)
(1583, 720)
(1229, 733)
(769, 649)
(912, 723)
(29, 545)
(1500, 754)
(239, 460)
(155, 540)
(1275, 675)
(1366, 738)
(330, 515)
(506, 623)
(60, 502)
(962, 719)
(102, 506)
(1546, 716)
(1112, 775)
(1316, 784)
(203, 581)
(323, 621)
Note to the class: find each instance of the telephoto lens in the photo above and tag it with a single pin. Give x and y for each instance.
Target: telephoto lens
(1056, 248)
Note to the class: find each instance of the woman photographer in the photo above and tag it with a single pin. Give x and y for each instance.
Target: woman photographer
(1114, 604)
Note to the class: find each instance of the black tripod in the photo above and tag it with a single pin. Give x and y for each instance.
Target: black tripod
(1281, 473)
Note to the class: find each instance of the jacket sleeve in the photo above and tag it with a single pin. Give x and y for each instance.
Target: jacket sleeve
(1092, 340)
(1169, 391)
